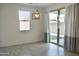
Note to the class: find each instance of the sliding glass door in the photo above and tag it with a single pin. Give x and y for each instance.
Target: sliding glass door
(53, 26)
(61, 27)
(56, 26)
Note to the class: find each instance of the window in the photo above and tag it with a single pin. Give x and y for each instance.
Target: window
(24, 20)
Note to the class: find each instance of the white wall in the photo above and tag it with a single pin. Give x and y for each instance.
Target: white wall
(9, 26)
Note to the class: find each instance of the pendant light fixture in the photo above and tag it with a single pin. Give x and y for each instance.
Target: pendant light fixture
(36, 15)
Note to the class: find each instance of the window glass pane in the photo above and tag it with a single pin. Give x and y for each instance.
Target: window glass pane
(62, 27)
(24, 15)
(62, 15)
(24, 19)
(53, 15)
(24, 25)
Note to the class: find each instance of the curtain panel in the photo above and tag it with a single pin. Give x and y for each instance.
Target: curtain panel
(71, 41)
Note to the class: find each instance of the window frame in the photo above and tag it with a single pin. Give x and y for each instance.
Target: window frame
(25, 21)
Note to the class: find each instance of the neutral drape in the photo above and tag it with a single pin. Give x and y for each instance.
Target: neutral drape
(71, 42)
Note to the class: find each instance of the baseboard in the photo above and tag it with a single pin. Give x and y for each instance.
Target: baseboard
(23, 44)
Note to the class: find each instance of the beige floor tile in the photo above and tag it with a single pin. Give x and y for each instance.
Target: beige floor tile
(36, 49)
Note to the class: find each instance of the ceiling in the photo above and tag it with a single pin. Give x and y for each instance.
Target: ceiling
(44, 5)
(39, 4)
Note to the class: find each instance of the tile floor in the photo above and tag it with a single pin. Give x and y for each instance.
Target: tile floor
(35, 49)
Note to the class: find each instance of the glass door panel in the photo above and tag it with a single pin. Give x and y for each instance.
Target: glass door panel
(53, 26)
(61, 27)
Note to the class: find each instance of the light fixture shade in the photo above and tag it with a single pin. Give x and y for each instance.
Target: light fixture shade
(36, 15)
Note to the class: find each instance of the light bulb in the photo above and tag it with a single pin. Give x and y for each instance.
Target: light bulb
(36, 15)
